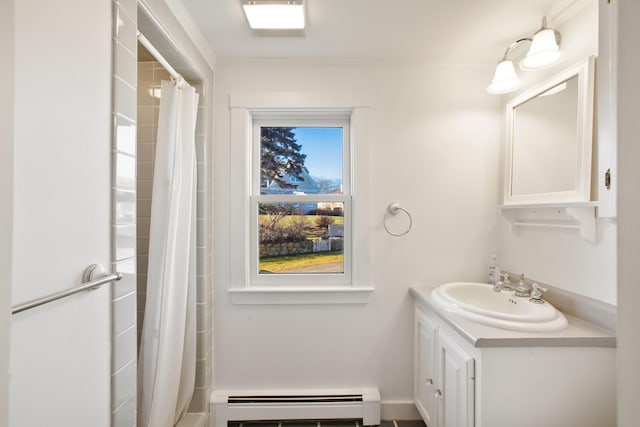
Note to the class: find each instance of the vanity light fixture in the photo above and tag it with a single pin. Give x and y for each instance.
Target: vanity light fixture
(544, 52)
(275, 17)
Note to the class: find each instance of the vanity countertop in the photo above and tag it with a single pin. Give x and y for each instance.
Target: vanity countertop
(579, 333)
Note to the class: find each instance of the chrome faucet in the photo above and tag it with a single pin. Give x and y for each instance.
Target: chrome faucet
(536, 294)
(503, 283)
(521, 289)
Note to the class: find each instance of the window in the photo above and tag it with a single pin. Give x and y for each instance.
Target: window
(301, 201)
(299, 225)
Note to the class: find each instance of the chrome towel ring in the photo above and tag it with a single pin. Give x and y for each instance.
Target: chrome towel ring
(392, 210)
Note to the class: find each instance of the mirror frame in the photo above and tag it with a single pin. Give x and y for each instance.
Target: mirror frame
(584, 70)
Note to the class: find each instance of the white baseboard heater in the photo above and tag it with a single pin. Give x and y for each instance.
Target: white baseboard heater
(264, 405)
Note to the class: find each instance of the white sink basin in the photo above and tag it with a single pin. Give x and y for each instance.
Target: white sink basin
(480, 303)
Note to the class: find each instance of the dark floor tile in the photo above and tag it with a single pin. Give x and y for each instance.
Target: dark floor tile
(260, 424)
(411, 423)
(387, 423)
(299, 424)
(338, 423)
(233, 424)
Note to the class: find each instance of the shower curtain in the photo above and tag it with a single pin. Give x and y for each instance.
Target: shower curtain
(166, 364)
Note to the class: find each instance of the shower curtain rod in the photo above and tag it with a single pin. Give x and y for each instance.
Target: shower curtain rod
(158, 56)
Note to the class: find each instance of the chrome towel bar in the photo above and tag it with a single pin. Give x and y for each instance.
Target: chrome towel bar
(92, 285)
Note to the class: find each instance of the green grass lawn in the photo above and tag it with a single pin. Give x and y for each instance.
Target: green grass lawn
(318, 262)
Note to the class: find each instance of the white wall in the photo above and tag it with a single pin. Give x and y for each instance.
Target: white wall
(6, 197)
(434, 149)
(628, 214)
(562, 258)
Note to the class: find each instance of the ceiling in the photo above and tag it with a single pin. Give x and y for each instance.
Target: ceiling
(433, 31)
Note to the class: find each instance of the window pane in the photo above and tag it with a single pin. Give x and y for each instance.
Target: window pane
(301, 238)
(301, 160)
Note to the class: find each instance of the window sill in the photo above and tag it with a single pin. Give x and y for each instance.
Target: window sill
(300, 295)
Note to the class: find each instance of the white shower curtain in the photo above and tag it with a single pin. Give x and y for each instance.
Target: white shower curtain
(166, 364)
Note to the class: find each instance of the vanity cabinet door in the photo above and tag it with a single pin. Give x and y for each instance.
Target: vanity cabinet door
(455, 392)
(424, 367)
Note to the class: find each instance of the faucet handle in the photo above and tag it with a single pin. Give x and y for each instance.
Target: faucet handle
(504, 276)
(521, 282)
(536, 293)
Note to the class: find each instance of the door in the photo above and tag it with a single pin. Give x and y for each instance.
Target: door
(456, 382)
(424, 371)
(60, 352)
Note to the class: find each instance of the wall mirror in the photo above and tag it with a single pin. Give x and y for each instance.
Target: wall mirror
(549, 140)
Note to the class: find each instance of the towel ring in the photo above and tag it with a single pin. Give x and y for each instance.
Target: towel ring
(394, 209)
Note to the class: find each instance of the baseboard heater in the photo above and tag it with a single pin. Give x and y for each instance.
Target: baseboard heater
(234, 405)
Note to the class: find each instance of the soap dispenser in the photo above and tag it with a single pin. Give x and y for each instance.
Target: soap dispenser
(494, 272)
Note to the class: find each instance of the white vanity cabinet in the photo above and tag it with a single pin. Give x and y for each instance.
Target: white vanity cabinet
(444, 381)
(470, 375)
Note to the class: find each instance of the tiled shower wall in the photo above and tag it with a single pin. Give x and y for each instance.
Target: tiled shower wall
(123, 311)
(150, 74)
(124, 165)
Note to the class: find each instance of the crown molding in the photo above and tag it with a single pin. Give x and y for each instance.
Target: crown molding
(563, 10)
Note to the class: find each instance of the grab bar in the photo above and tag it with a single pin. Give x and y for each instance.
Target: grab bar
(92, 285)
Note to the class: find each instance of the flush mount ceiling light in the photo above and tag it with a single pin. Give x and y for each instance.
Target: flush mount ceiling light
(275, 17)
(544, 52)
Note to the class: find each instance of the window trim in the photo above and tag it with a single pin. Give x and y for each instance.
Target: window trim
(244, 110)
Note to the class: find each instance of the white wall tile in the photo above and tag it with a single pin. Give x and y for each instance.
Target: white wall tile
(125, 64)
(201, 207)
(201, 121)
(200, 400)
(201, 265)
(125, 415)
(125, 172)
(201, 287)
(201, 317)
(124, 241)
(125, 28)
(125, 135)
(127, 284)
(124, 98)
(124, 206)
(123, 385)
(123, 312)
(130, 7)
(202, 176)
(124, 349)
(201, 371)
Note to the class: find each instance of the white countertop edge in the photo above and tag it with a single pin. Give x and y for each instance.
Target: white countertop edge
(579, 332)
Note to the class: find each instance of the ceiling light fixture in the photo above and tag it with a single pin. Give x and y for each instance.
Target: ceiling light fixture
(275, 17)
(544, 52)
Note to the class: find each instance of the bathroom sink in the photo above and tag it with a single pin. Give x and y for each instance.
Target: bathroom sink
(480, 303)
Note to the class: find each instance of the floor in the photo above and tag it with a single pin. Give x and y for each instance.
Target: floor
(331, 423)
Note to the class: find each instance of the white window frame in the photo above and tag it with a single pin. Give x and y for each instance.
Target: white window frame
(293, 120)
(248, 112)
